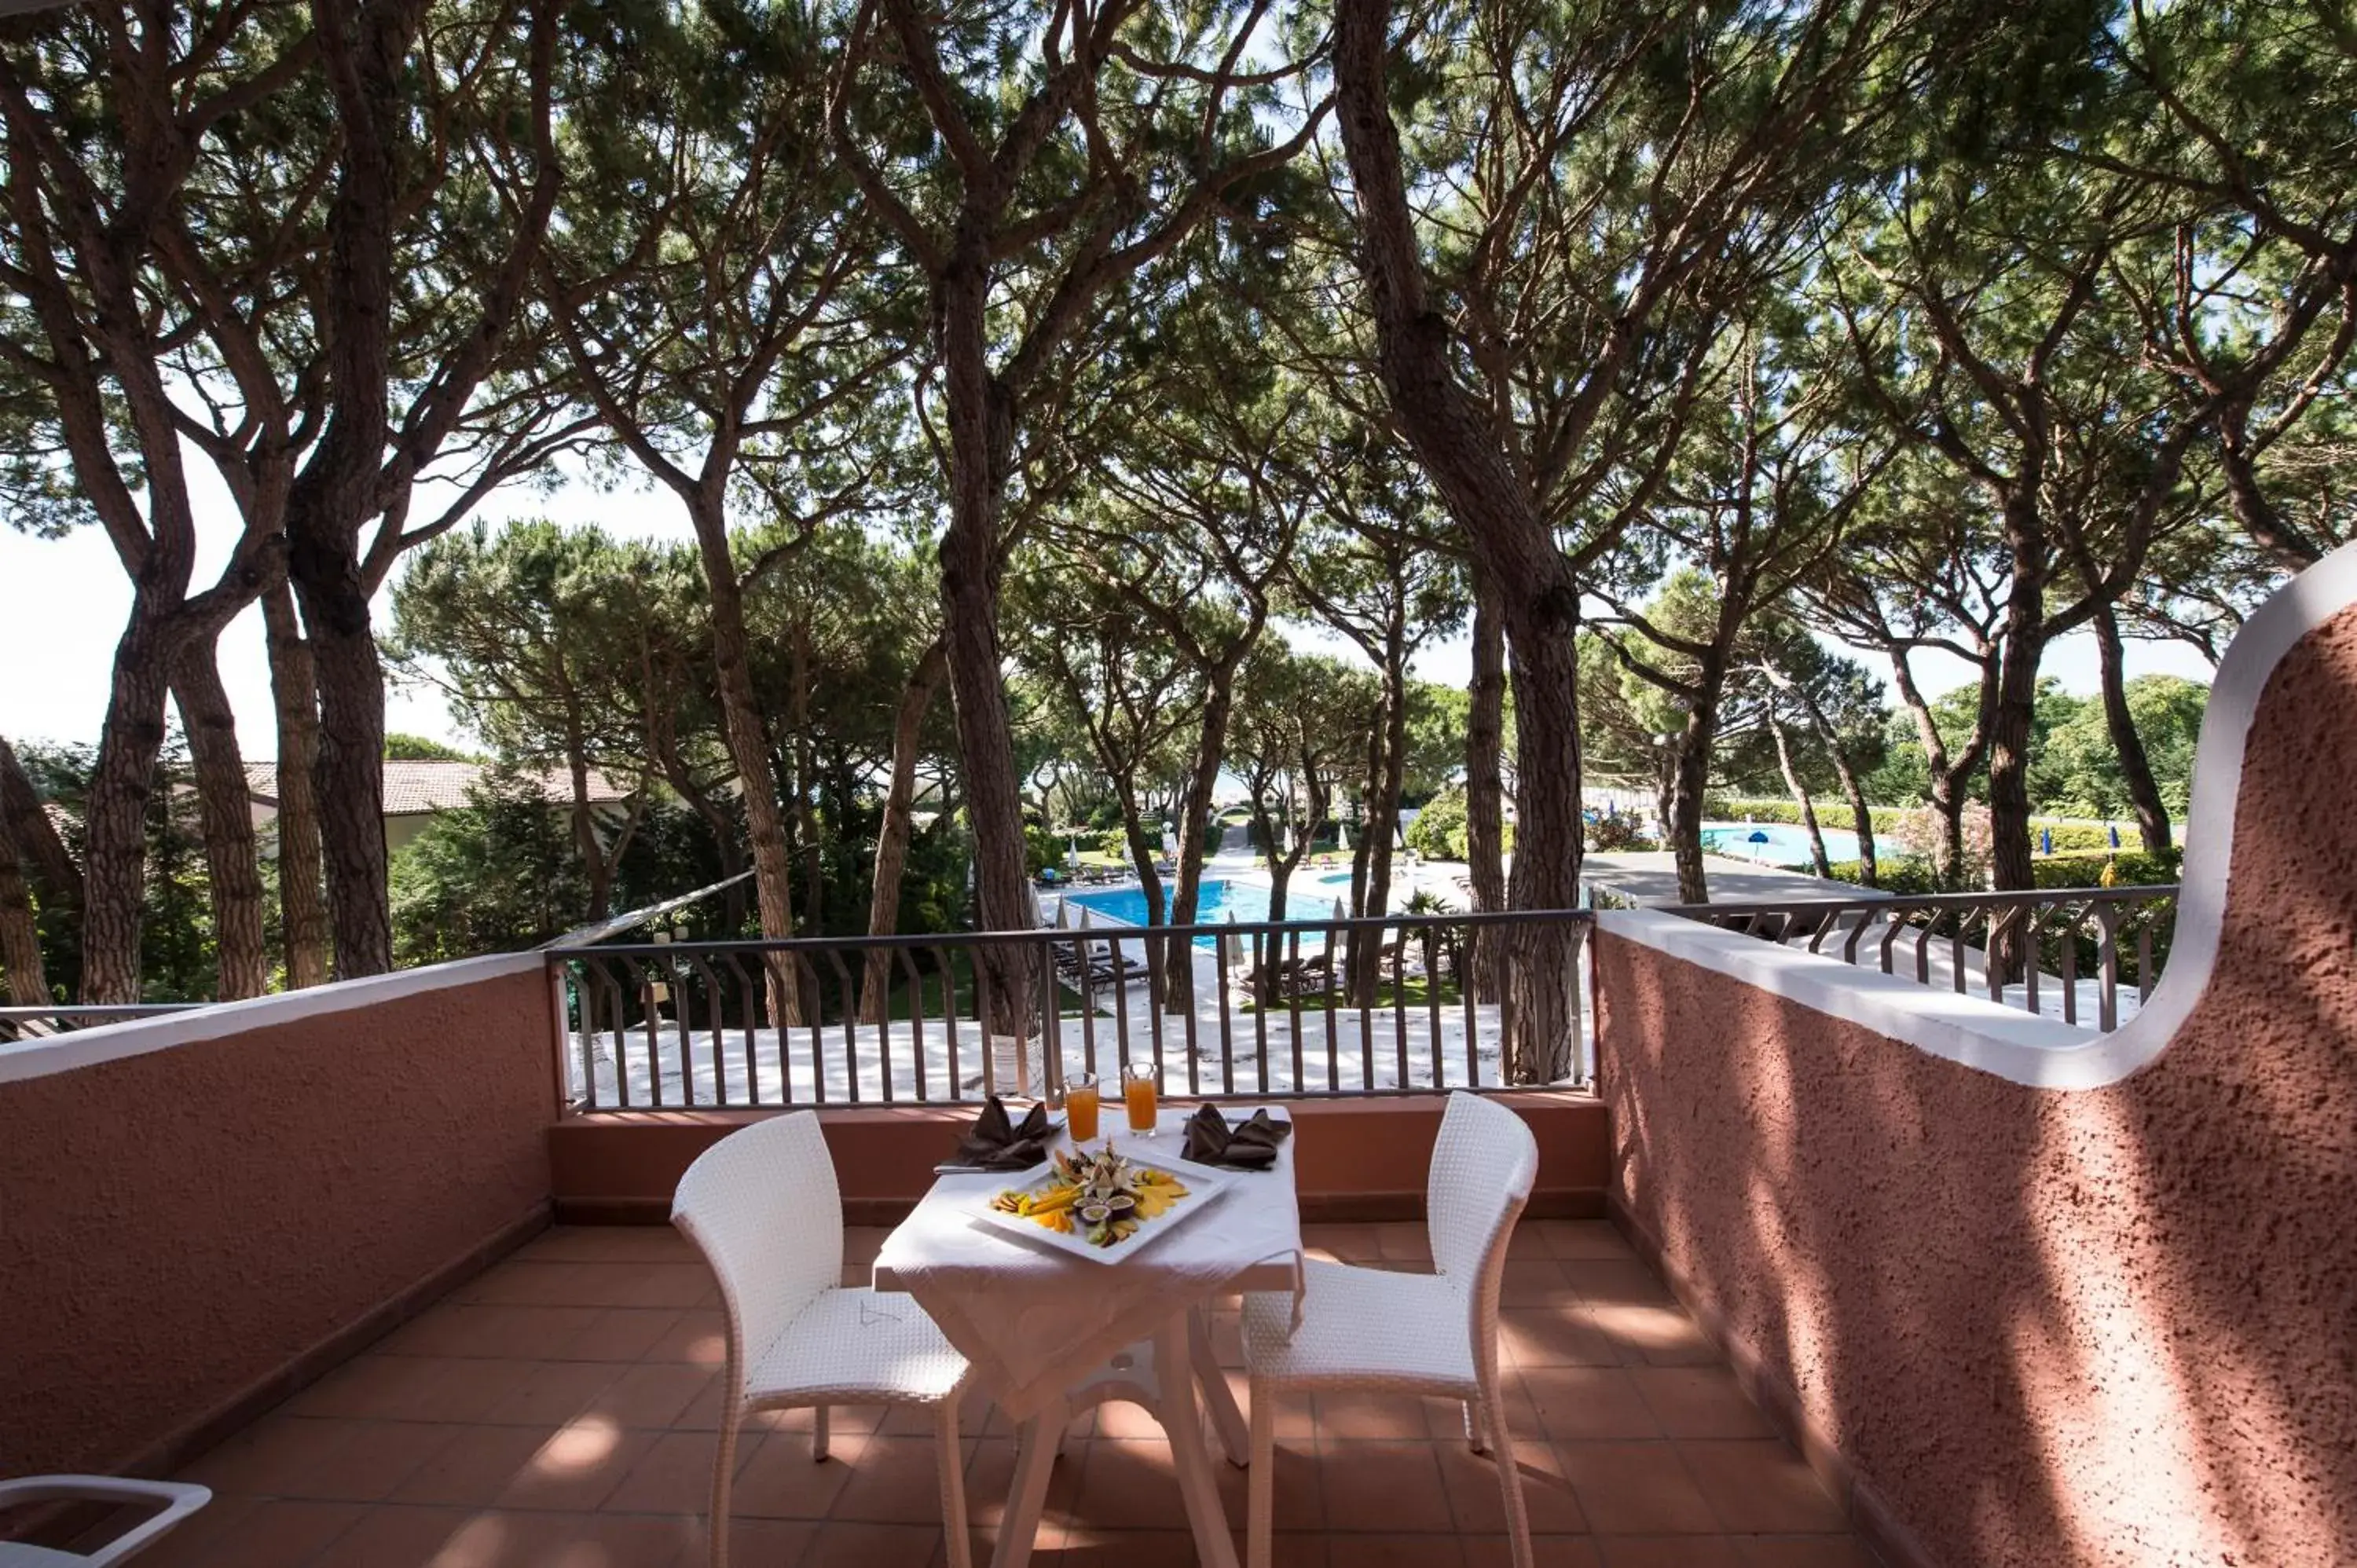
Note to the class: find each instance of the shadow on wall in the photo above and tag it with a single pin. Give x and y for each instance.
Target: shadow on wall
(2102, 1325)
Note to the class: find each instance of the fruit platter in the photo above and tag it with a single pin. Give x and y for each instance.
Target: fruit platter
(1103, 1204)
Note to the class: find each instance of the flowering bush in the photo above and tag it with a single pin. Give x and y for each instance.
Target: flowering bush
(1921, 832)
(1615, 829)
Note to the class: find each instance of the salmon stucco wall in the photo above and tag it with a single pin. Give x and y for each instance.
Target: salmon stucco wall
(180, 1224)
(2114, 1325)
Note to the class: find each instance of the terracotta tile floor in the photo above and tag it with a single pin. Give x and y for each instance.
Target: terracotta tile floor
(559, 1411)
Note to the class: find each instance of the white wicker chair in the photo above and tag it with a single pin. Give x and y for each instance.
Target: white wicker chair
(1384, 1332)
(763, 1205)
(178, 1499)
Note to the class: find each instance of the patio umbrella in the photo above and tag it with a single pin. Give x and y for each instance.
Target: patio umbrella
(1759, 836)
(2046, 840)
(2115, 831)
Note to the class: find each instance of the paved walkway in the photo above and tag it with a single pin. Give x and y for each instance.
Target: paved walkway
(1652, 878)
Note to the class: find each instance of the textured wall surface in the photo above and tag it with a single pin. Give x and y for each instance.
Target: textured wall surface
(176, 1227)
(2104, 1327)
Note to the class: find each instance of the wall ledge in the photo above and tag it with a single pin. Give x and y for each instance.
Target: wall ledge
(24, 1060)
(2024, 1046)
(2017, 1045)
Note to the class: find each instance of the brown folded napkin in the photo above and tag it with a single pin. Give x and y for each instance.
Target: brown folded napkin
(1249, 1146)
(994, 1144)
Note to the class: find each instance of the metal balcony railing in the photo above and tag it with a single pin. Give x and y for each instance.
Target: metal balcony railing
(2075, 946)
(1402, 1004)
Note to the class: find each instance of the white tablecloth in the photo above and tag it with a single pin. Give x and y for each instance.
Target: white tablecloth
(1033, 1319)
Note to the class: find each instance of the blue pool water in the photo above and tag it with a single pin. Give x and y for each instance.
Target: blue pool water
(1214, 905)
(1788, 844)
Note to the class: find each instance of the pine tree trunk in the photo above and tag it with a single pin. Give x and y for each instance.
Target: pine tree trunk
(982, 433)
(1382, 826)
(892, 834)
(20, 931)
(114, 816)
(55, 878)
(1947, 776)
(748, 748)
(349, 778)
(805, 781)
(1861, 814)
(224, 798)
(1690, 777)
(1485, 793)
(1144, 854)
(335, 495)
(1689, 781)
(1799, 793)
(2248, 499)
(2135, 765)
(2009, 733)
(1194, 817)
(1539, 594)
(294, 692)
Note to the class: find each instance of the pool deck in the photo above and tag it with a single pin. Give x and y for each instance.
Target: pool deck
(1653, 879)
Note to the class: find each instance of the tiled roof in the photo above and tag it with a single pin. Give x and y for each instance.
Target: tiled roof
(413, 789)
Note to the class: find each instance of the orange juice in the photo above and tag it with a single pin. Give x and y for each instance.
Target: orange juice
(1081, 1101)
(1140, 1092)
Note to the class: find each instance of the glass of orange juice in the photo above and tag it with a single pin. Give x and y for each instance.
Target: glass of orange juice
(1141, 1084)
(1081, 1101)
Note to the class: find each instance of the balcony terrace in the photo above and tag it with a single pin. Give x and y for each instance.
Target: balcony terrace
(1829, 1266)
(560, 1409)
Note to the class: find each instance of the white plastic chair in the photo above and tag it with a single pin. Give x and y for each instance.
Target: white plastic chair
(1376, 1331)
(178, 1499)
(763, 1207)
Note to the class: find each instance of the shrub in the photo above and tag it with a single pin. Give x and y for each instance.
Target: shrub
(1041, 849)
(1438, 830)
(1921, 832)
(2130, 868)
(1618, 831)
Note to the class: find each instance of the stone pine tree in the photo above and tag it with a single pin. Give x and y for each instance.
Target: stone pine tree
(1026, 162)
(713, 295)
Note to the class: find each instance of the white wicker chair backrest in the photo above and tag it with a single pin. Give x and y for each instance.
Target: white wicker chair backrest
(763, 1205)
(1482, 1168)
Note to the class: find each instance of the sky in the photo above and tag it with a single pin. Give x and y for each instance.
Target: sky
(63, 604)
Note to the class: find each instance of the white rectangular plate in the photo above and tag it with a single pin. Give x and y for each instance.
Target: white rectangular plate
(1203, 1184)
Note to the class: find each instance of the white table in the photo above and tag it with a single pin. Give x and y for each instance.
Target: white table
(1051, 1334)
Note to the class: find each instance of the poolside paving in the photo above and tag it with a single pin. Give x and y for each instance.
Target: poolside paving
(560, 1410)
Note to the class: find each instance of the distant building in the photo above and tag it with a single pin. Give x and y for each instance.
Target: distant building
(417, 792)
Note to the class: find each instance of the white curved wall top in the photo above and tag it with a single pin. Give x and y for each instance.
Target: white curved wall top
(2017, 1045)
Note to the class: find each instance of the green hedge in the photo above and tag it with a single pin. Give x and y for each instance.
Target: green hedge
(2130, 868)
(1830, 813)
(2070, 838)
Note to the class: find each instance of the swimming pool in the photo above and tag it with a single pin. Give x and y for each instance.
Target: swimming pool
(1786, 844)
(1215, 902)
